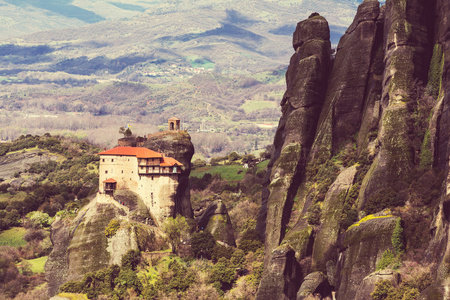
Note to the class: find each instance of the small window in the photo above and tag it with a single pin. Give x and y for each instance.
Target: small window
(122, 171)
(152, 177)
(106, 172)
(112, 159)
(103, 160)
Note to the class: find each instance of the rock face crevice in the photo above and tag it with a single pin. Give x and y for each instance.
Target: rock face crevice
(366, 113)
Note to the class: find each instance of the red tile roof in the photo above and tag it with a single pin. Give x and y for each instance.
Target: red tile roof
(109, 181)
(169, 161)
(139, 152)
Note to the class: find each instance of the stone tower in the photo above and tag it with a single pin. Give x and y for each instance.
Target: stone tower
(174, 124)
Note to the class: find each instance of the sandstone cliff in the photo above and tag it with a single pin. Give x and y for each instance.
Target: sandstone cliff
(81, 245)
(364, 130)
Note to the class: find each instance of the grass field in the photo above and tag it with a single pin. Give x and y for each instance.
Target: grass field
(13, 237)
(230, 173)
(37, 264)
(250, 106)
(262, 165)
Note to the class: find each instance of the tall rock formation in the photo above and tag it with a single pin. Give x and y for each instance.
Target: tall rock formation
(176, 144)
(364, 139)
(301, 106)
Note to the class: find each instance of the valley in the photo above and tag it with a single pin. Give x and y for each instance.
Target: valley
(217, 67)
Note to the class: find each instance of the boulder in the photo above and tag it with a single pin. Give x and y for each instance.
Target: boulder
(363, 245)
(216, 220)
(81, 245)
(315, 27)
(367, 285)
(434, 291)
(57, 265)
(313, 284)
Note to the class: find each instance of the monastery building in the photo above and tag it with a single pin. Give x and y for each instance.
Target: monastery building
(151, 175)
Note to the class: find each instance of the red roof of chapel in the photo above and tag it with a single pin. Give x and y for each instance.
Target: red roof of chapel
(141, 152)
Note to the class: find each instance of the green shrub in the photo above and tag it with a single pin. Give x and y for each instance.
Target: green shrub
(238, 259)
(176, 230)
(131, 259)
(220, 251)
(398, 238)
(177, 279)
(386, 259)
(250, 241)
(223, 274)
(112, 228)
(250, 245)
(127, 279)
(426, 157)
(435, 71)
(382, 289)
(202, 244)
(255, 277)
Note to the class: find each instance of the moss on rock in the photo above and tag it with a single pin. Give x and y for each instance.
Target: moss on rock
(300, 241)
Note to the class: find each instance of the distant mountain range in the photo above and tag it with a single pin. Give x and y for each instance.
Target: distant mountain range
(21, 17)
(224, 55)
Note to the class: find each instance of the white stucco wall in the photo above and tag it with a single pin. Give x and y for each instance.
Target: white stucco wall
(156, 190)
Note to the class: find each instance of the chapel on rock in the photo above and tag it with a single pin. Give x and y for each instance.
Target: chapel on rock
(150, 174)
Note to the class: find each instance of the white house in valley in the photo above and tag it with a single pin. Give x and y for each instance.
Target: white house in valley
(151, 175)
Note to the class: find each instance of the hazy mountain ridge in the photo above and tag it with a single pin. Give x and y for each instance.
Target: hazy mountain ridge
(239, 45)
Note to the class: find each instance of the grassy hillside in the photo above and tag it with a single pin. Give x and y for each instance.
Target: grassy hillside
(13, 237)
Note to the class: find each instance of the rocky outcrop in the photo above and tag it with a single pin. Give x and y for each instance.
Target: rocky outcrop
(332, 210)
(380, 119)
(21, 161)
(363, 247)
(301, 105)
(341, 115)
(57, 265)
(216, 220)
(176, 144)
(81, 244)
(281, 278)
(368, 283)
(313, 284)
